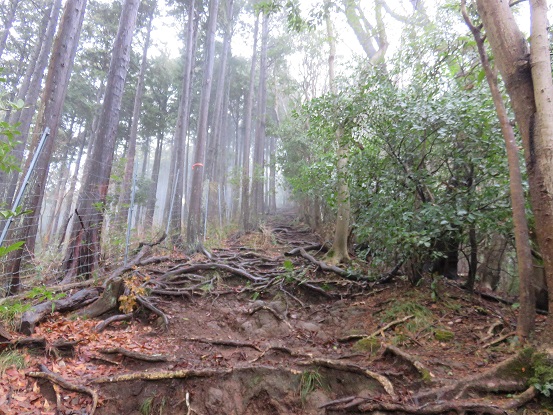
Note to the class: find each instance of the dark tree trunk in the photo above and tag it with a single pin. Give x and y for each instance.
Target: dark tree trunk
(151, 204)
(83, 252)
(59, 72)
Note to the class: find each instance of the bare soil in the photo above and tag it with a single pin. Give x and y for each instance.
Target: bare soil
(292, 344)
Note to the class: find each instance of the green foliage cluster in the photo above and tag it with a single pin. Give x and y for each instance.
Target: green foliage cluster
(425, 153)
(542, 377)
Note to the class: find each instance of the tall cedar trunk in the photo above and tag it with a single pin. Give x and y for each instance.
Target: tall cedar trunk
(25, 115)
(257, 207)
(59, 72)
(82, 256)
(5, 194)
(71, 193)
(193, 234)
(8, 22)
(245, 205)
(339, 250)
(272, 176)
(151, 204)
(180, 138)
(526, 316)
(215, 142)
(511, 55)
(125, 195)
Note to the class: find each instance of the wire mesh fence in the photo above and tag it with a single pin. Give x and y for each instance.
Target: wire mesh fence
(106, 234)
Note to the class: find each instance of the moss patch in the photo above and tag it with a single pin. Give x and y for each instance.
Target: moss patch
(367, 344)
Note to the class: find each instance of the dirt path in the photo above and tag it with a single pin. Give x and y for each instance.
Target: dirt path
(290, 340)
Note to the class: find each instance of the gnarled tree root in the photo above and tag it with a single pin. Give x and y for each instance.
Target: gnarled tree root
(54, 378)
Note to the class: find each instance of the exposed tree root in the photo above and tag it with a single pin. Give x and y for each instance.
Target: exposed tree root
(283, 349)
(378, 332)
(58, 380)
(182, 374)
(325, 267)
(510, 369)
(499, 340)
(216, 342)
(273, 312)
(136, 355)
(119, 317)
(212, 266)
(148, 305)
(348, 367)
(423, 371)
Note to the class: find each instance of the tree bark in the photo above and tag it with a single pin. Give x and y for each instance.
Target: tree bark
(193, 237)
(527, 313)
(31, 93)
(59, 72)
(245, 203)
(258, 184)
(82, 256)
(512, 57)
(125, 195)
(181, 129)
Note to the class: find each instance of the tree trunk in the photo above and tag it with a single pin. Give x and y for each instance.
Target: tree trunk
(59, 72)
(527, 313)
(30, 96)
(193, 236)
(511, 55)
(152, 197)
(125, 195)
(543, 135)
(83, 253)
(339, 250)
(8, 23)
(257, 207)
(181, 130)
(245, 205)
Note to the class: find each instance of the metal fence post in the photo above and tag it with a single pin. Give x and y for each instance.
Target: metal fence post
(25, 182)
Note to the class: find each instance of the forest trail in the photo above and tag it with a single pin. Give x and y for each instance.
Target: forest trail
(292, 340)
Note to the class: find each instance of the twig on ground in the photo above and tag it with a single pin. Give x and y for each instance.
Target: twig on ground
(499, 340)
(394, 323)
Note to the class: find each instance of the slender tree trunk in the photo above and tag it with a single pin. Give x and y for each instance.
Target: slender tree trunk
(193, 236)
(511, 56)
(125, 195)
(152, 197)
(84, 249)
(8, 23)
(180, 137)
(527, 311)
(215, 142)
(259, 147)
(339, 250)
(59, 72)
(245, 206)
(30, 96)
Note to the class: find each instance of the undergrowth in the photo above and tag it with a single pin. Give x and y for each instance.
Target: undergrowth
(11, 358)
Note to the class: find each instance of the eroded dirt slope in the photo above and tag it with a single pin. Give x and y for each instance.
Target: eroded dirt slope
(292, 340)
